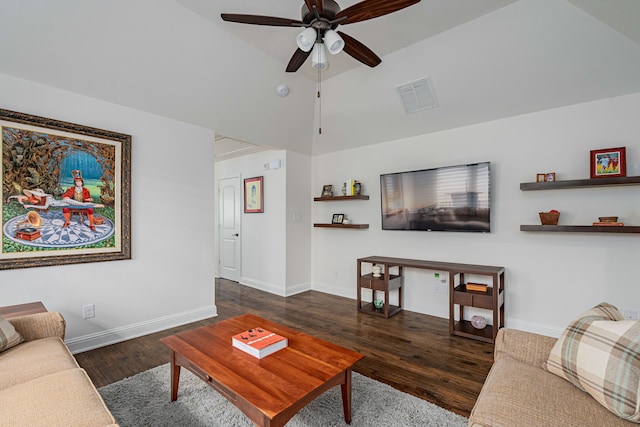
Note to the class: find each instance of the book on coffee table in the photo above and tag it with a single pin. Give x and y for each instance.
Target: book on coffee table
(259, 342)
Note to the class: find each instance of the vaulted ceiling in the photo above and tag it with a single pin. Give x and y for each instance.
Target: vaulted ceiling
(486, 60)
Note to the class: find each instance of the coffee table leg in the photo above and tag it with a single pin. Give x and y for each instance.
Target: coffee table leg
(346, 396)
(175, 376)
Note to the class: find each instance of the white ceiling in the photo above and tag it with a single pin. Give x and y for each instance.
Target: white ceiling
(487, 60)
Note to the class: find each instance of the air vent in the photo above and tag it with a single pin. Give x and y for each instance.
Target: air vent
(417, 96)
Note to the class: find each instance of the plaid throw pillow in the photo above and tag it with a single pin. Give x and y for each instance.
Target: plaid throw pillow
(599, 353)
(9, 337)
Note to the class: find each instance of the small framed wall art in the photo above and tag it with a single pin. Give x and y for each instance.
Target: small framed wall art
(327, 190)
(253, 195)
(337, 219)
(550, 176)
(609, 162)
(541, 177)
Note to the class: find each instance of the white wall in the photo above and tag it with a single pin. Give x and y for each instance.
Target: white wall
(550, 277)
(170, 279)
(298, 222)
(275, 247)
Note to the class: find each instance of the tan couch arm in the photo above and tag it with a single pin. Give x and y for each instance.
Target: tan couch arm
(525, 347)
(40, 325)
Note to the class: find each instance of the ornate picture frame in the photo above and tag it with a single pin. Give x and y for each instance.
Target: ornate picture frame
(608, 162)
(66, 193)
(253, 195)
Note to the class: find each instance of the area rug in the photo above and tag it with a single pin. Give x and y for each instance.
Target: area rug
(144, 400)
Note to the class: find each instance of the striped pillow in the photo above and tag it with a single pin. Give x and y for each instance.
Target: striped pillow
(599, 353)
(9, 337)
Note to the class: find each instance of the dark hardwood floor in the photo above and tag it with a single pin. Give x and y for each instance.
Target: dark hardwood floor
(409, 351)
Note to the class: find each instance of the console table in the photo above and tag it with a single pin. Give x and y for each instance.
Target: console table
(459, 296)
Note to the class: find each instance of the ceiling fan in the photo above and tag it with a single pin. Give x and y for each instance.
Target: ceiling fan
(320, 18)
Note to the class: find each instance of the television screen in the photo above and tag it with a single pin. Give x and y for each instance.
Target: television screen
(452, 198)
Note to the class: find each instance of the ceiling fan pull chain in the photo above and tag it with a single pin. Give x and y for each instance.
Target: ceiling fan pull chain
(319, 104)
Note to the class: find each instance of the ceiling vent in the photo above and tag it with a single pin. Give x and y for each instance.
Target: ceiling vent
(417, 96)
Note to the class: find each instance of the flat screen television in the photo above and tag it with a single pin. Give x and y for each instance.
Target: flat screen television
(451, 198)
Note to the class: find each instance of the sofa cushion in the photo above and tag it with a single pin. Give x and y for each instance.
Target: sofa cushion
(65, 398)
(522, 395)
(599, 353)
(9, 337)
(33, 359)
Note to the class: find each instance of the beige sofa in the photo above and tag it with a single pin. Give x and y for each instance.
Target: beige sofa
(518, 392)
(41, 383)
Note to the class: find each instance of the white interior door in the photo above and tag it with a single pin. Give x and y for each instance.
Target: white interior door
(230, 201)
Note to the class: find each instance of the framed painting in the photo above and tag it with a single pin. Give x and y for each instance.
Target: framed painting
(66, 193)
(253, 195)
(609, 162)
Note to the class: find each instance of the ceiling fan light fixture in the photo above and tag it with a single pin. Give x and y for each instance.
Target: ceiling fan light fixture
(306, 39)
(334, 42)
(319, 57)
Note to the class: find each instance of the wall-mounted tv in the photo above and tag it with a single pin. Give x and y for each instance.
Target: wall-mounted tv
(451, 198)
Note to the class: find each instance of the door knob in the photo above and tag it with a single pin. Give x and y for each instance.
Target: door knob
(236, 235)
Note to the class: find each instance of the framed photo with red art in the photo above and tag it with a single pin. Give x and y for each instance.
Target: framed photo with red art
(253, 195)
(609, 162)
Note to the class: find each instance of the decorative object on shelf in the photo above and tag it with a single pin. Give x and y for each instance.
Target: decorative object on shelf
(378, 304)
(351, 187)
(478, 322)
(609, 162)
(344, 189)
(345, 220)
(541, 177)
(550, 177)
(327, 190)
(253, 195)
(337, 219)
(608, 221)
(549, 218)
(377, 271)
(476, 287)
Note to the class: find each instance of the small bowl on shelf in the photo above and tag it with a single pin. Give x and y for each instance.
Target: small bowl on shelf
(608, 218)
(549, 218)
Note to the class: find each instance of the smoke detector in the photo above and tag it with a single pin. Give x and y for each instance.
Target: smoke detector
(282, 90)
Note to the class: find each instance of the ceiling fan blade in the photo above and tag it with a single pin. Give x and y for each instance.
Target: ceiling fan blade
(296, 61)
(369, 9)
(261, 20)
(359, 51)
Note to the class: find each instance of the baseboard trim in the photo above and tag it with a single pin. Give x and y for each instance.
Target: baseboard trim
(123, 333)
(273, 289)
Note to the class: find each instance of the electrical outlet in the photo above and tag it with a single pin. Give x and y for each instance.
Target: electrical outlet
(630, 314)
(88, 311)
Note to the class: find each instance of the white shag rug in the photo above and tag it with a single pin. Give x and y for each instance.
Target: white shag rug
(144, 400)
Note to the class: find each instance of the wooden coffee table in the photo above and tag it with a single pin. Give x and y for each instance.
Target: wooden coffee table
(270, 390)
